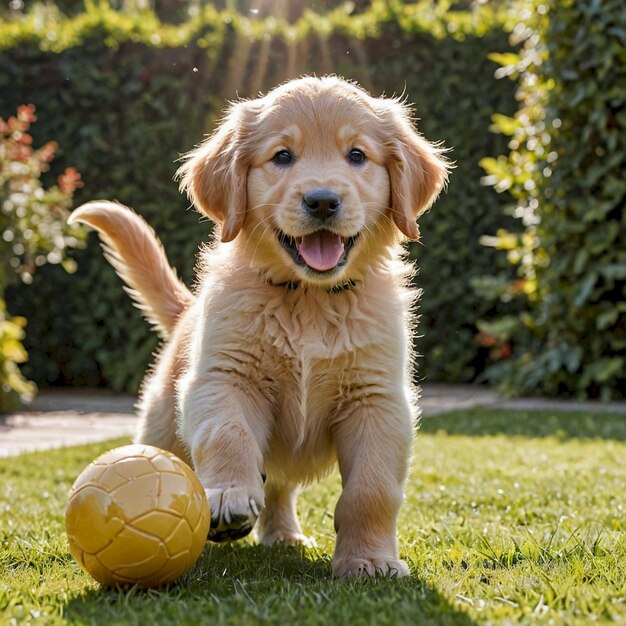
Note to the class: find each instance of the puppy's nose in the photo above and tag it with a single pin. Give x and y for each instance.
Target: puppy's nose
(321, 203)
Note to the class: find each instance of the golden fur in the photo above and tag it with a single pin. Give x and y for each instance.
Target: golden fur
(272, 368)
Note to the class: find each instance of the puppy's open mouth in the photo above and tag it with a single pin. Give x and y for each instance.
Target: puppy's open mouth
(321, 251)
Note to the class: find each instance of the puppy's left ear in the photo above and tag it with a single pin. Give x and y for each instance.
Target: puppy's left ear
(417, 169)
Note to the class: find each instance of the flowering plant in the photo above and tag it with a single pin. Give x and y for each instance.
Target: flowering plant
(33, 232)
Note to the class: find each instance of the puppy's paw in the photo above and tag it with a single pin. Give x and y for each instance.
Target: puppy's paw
(234, 512)
(391, 568)
(286, 538)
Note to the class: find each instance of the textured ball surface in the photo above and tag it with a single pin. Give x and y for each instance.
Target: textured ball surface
(137, 515)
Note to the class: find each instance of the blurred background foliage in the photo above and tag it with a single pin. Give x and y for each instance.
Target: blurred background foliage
(34, 232)
(126, 86)
(565, 171)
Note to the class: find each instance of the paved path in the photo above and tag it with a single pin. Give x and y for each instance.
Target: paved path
(57, 419)
(65, 418)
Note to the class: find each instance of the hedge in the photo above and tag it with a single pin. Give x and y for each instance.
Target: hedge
(565, 171)
(126, 95)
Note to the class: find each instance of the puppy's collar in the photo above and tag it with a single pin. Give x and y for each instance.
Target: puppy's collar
(292, 285)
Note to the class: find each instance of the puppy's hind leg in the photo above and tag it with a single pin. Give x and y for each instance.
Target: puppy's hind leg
(157, 422)
(156, 408)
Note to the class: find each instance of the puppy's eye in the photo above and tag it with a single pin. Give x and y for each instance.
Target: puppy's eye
(356, 156)
(283, 157)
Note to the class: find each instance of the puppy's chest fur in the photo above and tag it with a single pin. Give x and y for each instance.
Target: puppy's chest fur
(303, 349)
(297, 341)
(312, 339)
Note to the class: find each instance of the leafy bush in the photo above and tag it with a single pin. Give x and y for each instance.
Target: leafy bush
(150, 91)
(566, 172)
(33, 230)
(14, 386)
(447, 81)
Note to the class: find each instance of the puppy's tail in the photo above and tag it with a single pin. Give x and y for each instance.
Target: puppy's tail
(133, 249)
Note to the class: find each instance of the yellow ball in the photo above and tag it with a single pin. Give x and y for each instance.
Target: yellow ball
(137, 515)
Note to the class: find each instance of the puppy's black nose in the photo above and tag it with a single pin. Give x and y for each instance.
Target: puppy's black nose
(321, 203)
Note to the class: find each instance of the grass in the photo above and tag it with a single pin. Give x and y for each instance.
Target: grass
(510, 518)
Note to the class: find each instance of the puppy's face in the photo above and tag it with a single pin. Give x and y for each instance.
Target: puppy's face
(318, 191)
(318, 179)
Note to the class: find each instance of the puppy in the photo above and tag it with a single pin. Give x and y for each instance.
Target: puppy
(293, 352)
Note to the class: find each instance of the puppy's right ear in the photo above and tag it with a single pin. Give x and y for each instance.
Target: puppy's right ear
(214, 175)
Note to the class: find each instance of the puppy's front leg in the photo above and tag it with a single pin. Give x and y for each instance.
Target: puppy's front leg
(225, 429)
(373, 444)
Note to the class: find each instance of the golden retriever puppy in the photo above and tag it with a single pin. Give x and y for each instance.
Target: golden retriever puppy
(293, 352)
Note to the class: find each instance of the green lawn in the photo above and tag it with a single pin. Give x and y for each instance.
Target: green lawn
(510, 517)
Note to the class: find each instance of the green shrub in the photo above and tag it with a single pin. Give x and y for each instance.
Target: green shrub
(33, 232)
(149, 92)
(14, 387)
(566, 172)
(451, 83)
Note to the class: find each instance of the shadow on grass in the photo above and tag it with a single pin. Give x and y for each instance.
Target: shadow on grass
(536, 423)
(243, 584)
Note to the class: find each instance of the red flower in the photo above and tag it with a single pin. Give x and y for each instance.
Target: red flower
(70, 181)
(23, 138)
(19, 152)
(26, 113)
(505, 351)
(46, 152)
(486, 340)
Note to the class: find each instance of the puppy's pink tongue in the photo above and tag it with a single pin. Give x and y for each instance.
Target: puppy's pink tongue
(321, 250)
